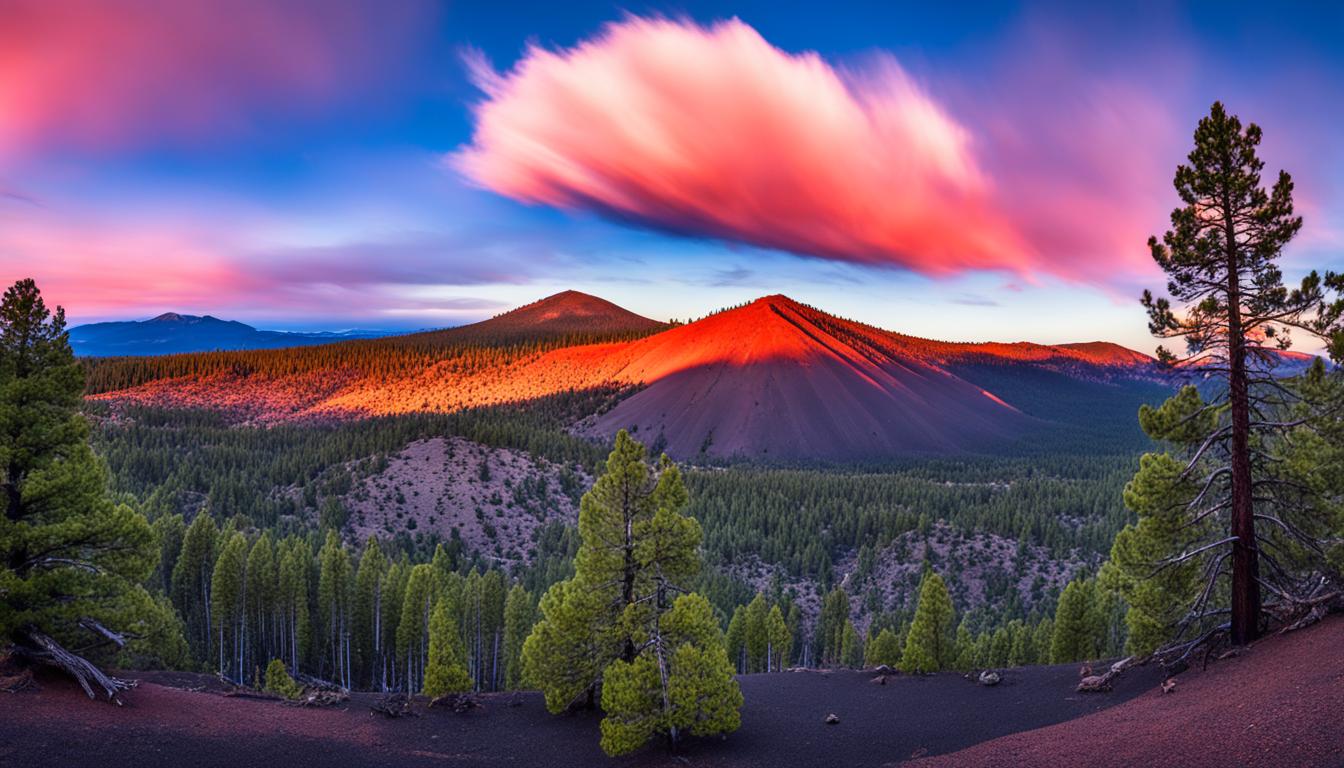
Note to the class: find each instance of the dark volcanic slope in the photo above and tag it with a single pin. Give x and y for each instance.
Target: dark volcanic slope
(782, 725)
(778, 380)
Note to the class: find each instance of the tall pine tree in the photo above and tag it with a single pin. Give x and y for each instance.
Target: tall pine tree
(72, 561)
(1233, 313)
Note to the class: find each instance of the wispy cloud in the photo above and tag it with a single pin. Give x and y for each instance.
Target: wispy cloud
(713, 132)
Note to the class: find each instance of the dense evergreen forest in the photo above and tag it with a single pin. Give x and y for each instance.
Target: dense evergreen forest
(278, 488)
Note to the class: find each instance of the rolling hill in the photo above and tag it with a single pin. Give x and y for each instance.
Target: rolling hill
(772, 380)
(172, 333)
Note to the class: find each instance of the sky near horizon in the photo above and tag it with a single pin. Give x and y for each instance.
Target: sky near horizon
(963, 172)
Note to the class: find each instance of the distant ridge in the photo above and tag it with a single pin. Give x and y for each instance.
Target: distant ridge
(174, 333)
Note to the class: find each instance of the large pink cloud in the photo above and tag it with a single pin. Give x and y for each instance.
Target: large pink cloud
(713, 132)
(102, 75)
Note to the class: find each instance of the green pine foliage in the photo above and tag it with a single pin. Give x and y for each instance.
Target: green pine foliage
(445, 672)
(778, 638)
(931, 643)
(625, 624)
(851, 647)
(191, 583)
(831, 627)
(73, 559)
(1157, 599)
(228, 606)
(884, 648)
(520, 613)
(1079, 626)
(279, 682)
(696, 696)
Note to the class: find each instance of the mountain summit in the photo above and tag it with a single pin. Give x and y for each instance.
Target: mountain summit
(777, 379)
(571, 312)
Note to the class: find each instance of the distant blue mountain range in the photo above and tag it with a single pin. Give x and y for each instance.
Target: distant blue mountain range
(171, 333)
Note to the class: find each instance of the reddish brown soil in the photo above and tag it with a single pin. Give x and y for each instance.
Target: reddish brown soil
(1279, 704)
(782, 724)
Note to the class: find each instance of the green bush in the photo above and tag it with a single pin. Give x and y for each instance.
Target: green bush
(279, 682)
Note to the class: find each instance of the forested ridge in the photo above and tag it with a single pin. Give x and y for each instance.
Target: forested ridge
(464, 350)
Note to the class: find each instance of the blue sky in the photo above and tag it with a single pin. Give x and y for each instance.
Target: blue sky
(300, 168)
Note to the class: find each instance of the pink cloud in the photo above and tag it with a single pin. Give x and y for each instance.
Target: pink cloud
(129, 264)
(101, 75)
(98, 269)
(713, 132)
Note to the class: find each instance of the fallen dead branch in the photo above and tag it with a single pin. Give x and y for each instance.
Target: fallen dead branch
(316, 683)
(319, 698)
(1101, 683)
(393, 705)
(41, 648)
(458, 702)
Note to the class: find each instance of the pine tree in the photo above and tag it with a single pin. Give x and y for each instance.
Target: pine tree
(72, 562)
(423, 590)
(1043, 638)
(169, 530)
(389, 674)
(279, 682)
(626, 622)
(1220, 257)
(754, 633)
(583, 627)
(519, 616)
(1075, 636)
(445, 672)
(228, 606)
(883, 648)
(368, 615)
(831, 626)
(333, 601)
(191, 584)
(779, 638)
(965, 653)
(794, 620)
(930, 645)
(292, 596)
(262, 585)
(1020, 648)
(682, 684)
(851, 647)
(735, 641)
(1158, 596)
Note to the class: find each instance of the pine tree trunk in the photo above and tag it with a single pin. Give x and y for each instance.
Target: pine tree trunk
(1245, 554)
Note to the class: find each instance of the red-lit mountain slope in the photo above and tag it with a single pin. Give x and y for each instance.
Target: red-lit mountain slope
(772, 380)
(777, 379)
